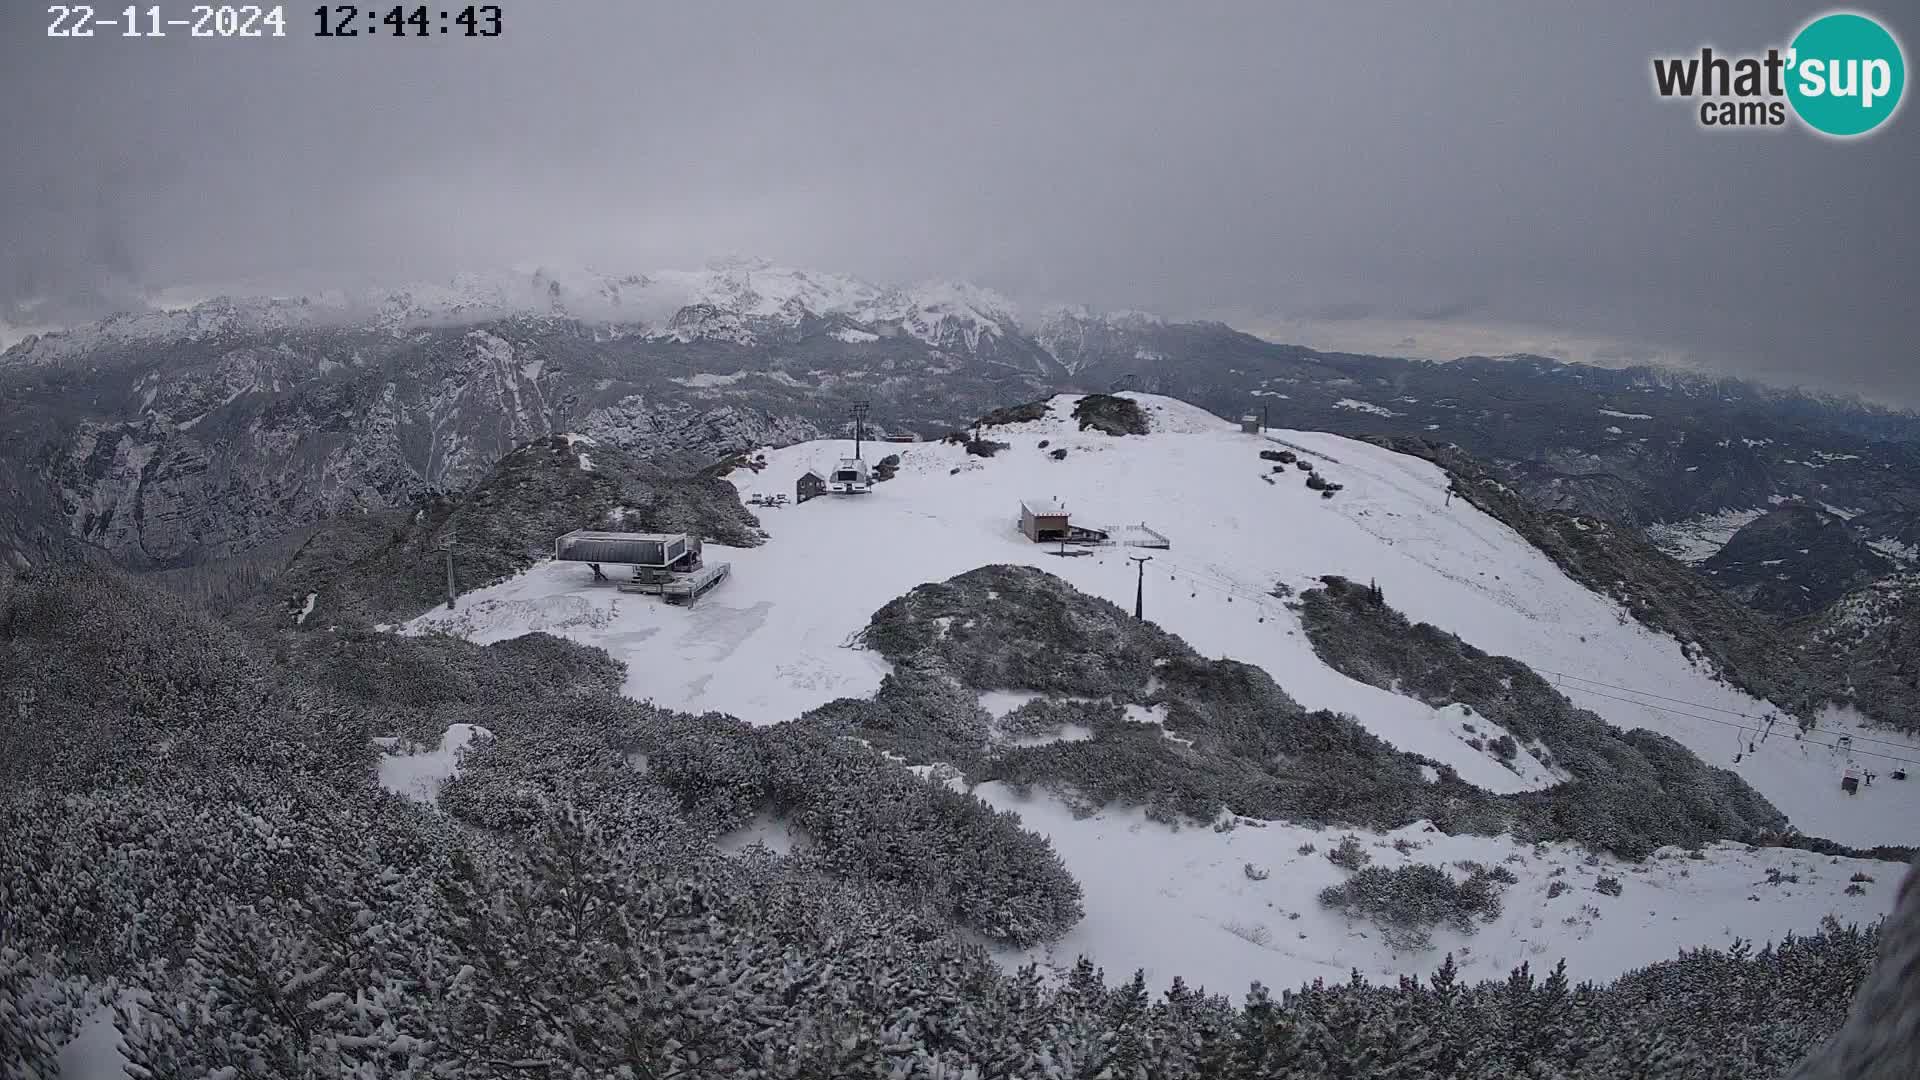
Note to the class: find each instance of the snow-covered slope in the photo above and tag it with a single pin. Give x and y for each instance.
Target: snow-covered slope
(775, 640)
(1183, 903)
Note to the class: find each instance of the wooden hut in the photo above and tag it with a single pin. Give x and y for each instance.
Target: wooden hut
(809, 485)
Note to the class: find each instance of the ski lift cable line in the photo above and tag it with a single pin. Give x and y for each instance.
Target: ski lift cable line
(1651, 694)
(1221, 586)
(1712, 708)
(1208, 582)
(1730, 723)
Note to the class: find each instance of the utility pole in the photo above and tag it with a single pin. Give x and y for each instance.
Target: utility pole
(859, 425)
(1263, 420)
(1140, 582)
(449, 571)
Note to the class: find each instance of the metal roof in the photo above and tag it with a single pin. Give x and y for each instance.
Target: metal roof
(590, 534)
(625, 549)
(1044, 507)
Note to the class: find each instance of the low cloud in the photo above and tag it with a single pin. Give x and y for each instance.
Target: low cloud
(1124, 154)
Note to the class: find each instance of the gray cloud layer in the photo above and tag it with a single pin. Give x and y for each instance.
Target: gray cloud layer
(1392, 168)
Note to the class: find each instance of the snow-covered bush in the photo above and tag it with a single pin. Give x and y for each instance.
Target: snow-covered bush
(1350, 854)
(1409, 901)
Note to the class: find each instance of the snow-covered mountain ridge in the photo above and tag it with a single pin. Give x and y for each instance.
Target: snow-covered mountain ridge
(172, 436)
(761, 294)
(773, 642)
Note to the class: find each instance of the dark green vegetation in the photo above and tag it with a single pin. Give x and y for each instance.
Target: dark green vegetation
(178, 794)
(1113, 415)
(196, 821)
(1228, 737)
(1411, 900)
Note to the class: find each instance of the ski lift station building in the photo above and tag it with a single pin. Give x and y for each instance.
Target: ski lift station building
(666, 564)
(851, 476)
(654, 551)
(1044, 519)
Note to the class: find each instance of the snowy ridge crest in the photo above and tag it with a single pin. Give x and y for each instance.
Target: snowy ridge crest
(729, 299)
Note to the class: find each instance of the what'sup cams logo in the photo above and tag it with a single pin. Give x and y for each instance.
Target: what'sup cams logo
(1842, 76)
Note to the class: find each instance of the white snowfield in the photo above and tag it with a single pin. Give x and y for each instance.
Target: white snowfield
(774, 642)
(1182, 902)
(417, 772)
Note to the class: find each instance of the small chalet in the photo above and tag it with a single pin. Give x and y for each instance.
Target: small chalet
(1250, 425)
(809, 485)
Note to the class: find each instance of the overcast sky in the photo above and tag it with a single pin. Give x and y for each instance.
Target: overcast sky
(1411, 179)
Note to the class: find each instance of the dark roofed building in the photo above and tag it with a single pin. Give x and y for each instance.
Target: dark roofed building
(650, 550)
(810, 484)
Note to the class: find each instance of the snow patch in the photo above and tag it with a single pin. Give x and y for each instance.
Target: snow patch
(1698, 539)
(1894, 549)
(1357, 405)
(777, 834)
(707, 381)
(1179, 901)
(417, 773)
(1067, 733)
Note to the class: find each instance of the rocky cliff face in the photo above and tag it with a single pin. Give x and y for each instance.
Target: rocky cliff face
(391, 566)
(177, 453)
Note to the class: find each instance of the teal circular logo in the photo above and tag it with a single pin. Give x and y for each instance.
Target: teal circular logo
(1846, 74)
